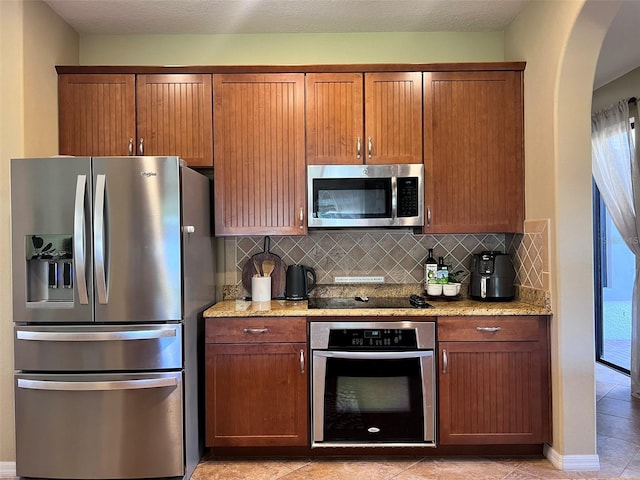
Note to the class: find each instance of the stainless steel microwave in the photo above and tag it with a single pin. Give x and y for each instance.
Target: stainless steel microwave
(365, 195)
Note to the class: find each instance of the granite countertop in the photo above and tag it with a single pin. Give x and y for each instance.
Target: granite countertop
(286, 308)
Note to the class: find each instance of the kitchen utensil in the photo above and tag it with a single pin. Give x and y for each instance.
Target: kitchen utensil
(278, 275)
(257, 267)
(267, 267)
(298, 284)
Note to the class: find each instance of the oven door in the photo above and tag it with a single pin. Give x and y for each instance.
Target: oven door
(381, 398)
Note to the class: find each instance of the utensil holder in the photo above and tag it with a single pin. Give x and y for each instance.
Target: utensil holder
(260, 289)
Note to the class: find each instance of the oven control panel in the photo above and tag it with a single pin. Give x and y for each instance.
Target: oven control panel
(372, 338)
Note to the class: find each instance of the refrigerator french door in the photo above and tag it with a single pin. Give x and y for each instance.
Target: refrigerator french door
(104, 301)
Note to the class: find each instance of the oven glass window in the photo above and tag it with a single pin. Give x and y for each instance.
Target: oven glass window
(352, 198)
(372, 394)
(373, 400)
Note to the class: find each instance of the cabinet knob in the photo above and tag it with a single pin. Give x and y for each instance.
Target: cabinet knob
(358, 148)
(370, 147)
(131, 146)
(301, 218)
(141, 146)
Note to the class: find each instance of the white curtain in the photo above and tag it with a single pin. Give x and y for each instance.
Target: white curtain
(617, 175)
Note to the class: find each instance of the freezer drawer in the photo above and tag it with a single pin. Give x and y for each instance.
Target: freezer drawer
(98, 348)
(99, 426)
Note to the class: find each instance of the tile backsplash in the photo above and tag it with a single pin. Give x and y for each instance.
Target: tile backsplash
(530, 254)
(397, 256)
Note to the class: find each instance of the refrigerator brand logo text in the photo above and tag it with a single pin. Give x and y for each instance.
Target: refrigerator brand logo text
(148, 174)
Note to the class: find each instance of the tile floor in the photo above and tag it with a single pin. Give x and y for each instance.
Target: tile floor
(618, 427)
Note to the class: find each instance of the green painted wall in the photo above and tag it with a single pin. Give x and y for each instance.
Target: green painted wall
(291, 49)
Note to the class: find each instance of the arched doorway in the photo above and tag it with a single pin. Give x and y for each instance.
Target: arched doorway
(560, 41)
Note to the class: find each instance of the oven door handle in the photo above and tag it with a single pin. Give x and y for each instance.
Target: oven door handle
(373, 355)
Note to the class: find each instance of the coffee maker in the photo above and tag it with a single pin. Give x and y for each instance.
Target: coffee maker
(492, 277)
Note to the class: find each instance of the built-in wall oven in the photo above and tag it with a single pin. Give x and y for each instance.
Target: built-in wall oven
(373, 383)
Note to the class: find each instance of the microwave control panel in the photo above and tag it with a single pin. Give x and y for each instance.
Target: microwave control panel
(408, 196)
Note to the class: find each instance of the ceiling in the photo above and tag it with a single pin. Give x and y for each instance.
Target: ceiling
(333, 16)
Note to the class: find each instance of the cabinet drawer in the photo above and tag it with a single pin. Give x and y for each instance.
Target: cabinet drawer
(489, 328)
(256, 330)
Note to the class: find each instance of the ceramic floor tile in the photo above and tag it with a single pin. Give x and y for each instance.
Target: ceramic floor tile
(454, 468)
(619, 427)
(617, 453)
(620, 408)
(244, 469)
(351, 469)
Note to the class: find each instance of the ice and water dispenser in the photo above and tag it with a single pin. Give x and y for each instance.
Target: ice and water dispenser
(49, 261)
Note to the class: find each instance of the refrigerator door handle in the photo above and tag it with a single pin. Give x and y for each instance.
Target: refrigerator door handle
(97, 386)
(99, 240)
(96, 336)
(79, 240)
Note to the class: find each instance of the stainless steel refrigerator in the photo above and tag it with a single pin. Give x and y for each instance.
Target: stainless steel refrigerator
(113, 265)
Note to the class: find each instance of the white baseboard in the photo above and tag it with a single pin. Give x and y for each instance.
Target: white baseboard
(7, 469)
(572, 463)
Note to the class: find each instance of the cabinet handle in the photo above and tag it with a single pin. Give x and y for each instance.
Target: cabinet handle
(301, 361)
(370, 146)
(358, 148)
(488, 329)
(301, 218)
(131, 146)
(445, 360)
(255, 331)
(428, 215)
(141, 146)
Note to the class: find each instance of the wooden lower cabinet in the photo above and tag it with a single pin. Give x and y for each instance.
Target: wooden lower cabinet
(256, 387)
(494, 380)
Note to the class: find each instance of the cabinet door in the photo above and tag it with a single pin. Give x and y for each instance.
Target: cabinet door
(393, 117)
(473, 137)
(175, 117)
(96, 114)
(493, 393)
(259, 163)
(349, 125)
(335, 133)
(256, 395)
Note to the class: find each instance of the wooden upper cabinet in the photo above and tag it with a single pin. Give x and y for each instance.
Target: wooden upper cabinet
(174, 117)
(473, 137)
(393, 117)
(335, 123)
(355, 118)
(96, 114)
(115, 115)
(259, 154)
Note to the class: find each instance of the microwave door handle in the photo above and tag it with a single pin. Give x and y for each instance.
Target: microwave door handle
(394, 198)
(79, 240)
(99, 240)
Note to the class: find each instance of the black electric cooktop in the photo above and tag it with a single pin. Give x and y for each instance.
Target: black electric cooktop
(369, 302)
